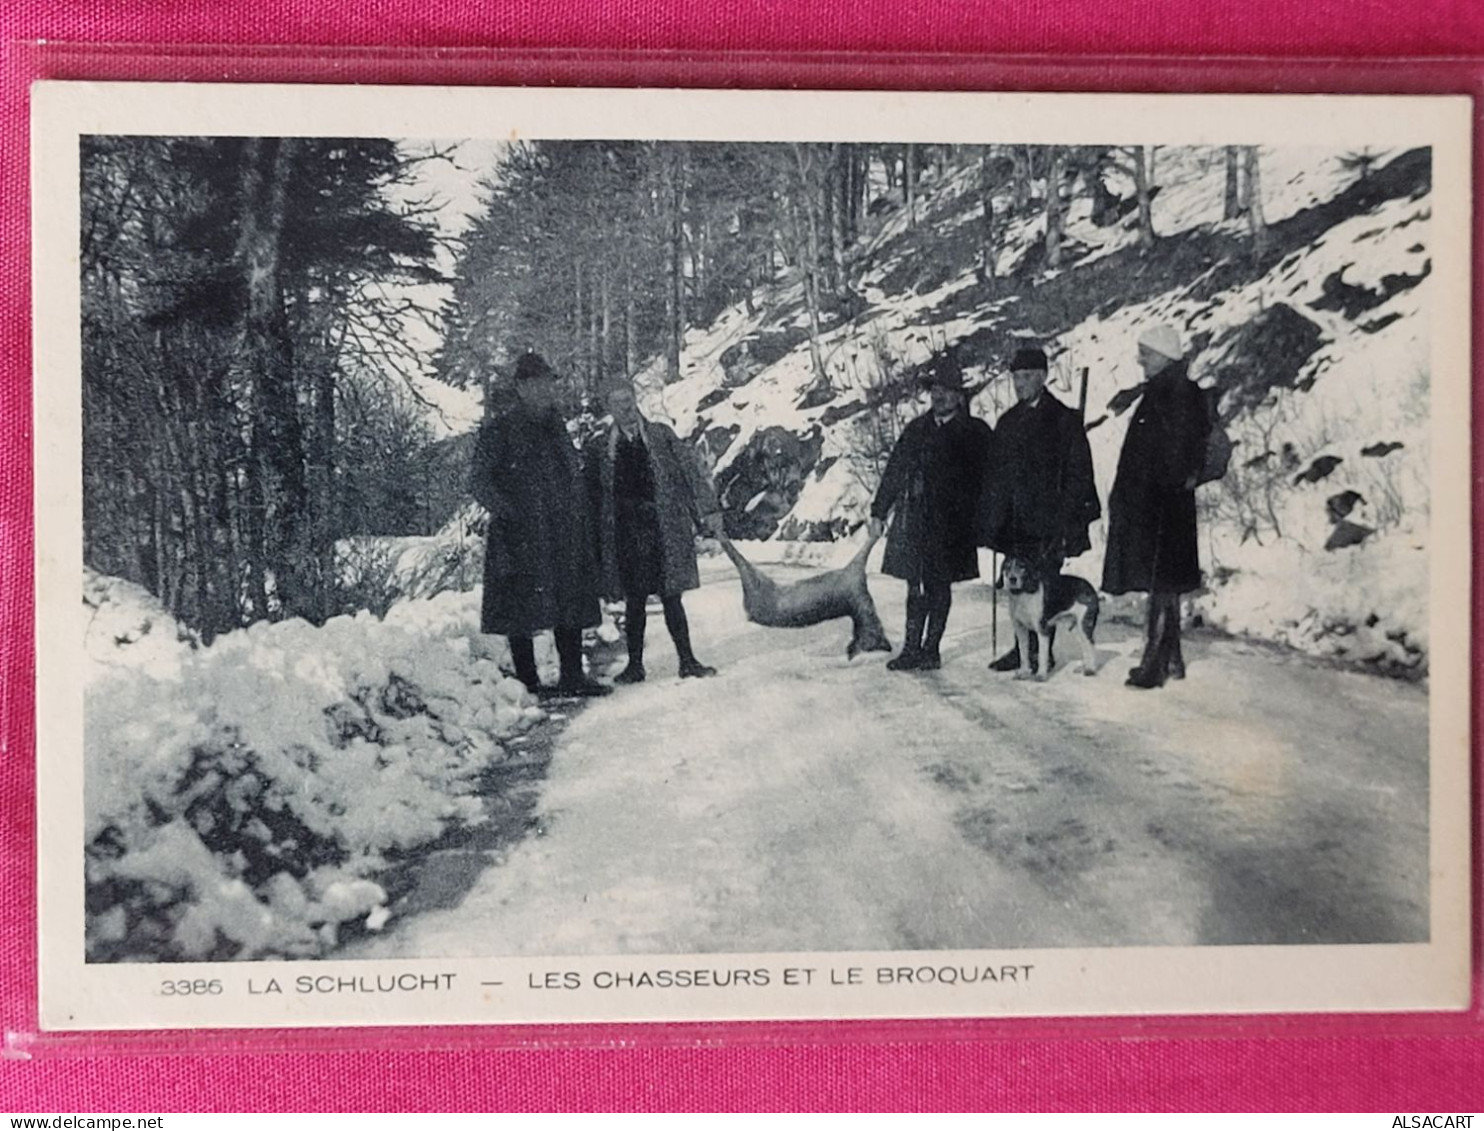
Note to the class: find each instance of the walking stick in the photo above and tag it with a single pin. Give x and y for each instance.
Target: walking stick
(994, 604)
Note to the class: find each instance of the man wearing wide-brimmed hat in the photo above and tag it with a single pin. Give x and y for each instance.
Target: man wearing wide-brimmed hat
(540, 568)
(1151, 512)
(931, 488)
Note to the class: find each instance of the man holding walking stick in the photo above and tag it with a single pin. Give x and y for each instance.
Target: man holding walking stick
(1038, 497)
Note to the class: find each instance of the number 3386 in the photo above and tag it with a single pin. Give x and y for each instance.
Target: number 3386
(190, 988)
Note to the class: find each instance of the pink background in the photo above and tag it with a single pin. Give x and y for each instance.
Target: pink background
(1388, 1064)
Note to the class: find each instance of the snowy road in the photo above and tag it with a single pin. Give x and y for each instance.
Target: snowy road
(797, 802)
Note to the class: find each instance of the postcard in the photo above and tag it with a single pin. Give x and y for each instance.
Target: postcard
(559, 555)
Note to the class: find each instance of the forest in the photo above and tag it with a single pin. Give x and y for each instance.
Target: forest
(248, 399)
(603, 254)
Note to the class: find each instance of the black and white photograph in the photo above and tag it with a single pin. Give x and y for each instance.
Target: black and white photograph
(750, 555)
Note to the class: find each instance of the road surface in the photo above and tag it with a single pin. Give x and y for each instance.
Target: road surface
(800, 802)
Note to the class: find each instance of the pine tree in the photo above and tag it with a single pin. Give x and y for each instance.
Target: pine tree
(223, 281)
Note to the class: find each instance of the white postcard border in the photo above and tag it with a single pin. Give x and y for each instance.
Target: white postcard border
(1066, 982)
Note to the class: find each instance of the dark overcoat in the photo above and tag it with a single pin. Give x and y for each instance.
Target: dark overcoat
(540, 568)
(1039, 496)
(683, 497)
(1151, 511)
(931, 490)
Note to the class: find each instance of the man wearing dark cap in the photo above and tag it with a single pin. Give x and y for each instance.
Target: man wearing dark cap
(930, 488)
(540, 563)
(1039, 497)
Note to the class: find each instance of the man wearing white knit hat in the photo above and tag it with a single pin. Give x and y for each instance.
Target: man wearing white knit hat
(1151, 512)
(1163, 340)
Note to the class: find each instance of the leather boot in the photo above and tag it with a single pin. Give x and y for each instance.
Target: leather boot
(574, 682)
(635, 618)
(1150, 672)
(692, 668)
(929, 660)
(1174, 658)
(523, 656)
(911, 654)
(1010, 661)
(937, 622)
(633, 672)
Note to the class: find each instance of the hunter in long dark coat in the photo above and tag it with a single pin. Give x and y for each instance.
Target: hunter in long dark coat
(1151, 512)
(540, 565)
(650, 499)
(931, 483)
(1039, 496)
(931, 490)
(1152, 544)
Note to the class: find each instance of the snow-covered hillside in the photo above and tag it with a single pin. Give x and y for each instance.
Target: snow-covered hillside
(1319, 347)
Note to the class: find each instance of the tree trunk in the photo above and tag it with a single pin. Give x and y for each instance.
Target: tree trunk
(324, 458)
(851, 195)
(1055, 217)
(605, 352)
(701, 258)
(824, 209)
(674, 281)
(596, 283)
(158, 572)
(1020, 185)
(579, 325)
(223, 463)
(838, 192)
(275, 440)
(809, 253)
(630, 329)
(988, 251)
(1232, 207)
(1141, 188)
(200, 458)
(1256, 223)
(909, 183)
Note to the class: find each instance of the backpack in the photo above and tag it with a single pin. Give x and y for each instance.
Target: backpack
(1218, 442)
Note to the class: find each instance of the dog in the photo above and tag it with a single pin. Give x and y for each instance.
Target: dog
(838, 593)
(1039, 604)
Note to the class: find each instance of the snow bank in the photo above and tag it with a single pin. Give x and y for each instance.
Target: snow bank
(241, 798)
(1364, 604)
(128, 627)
